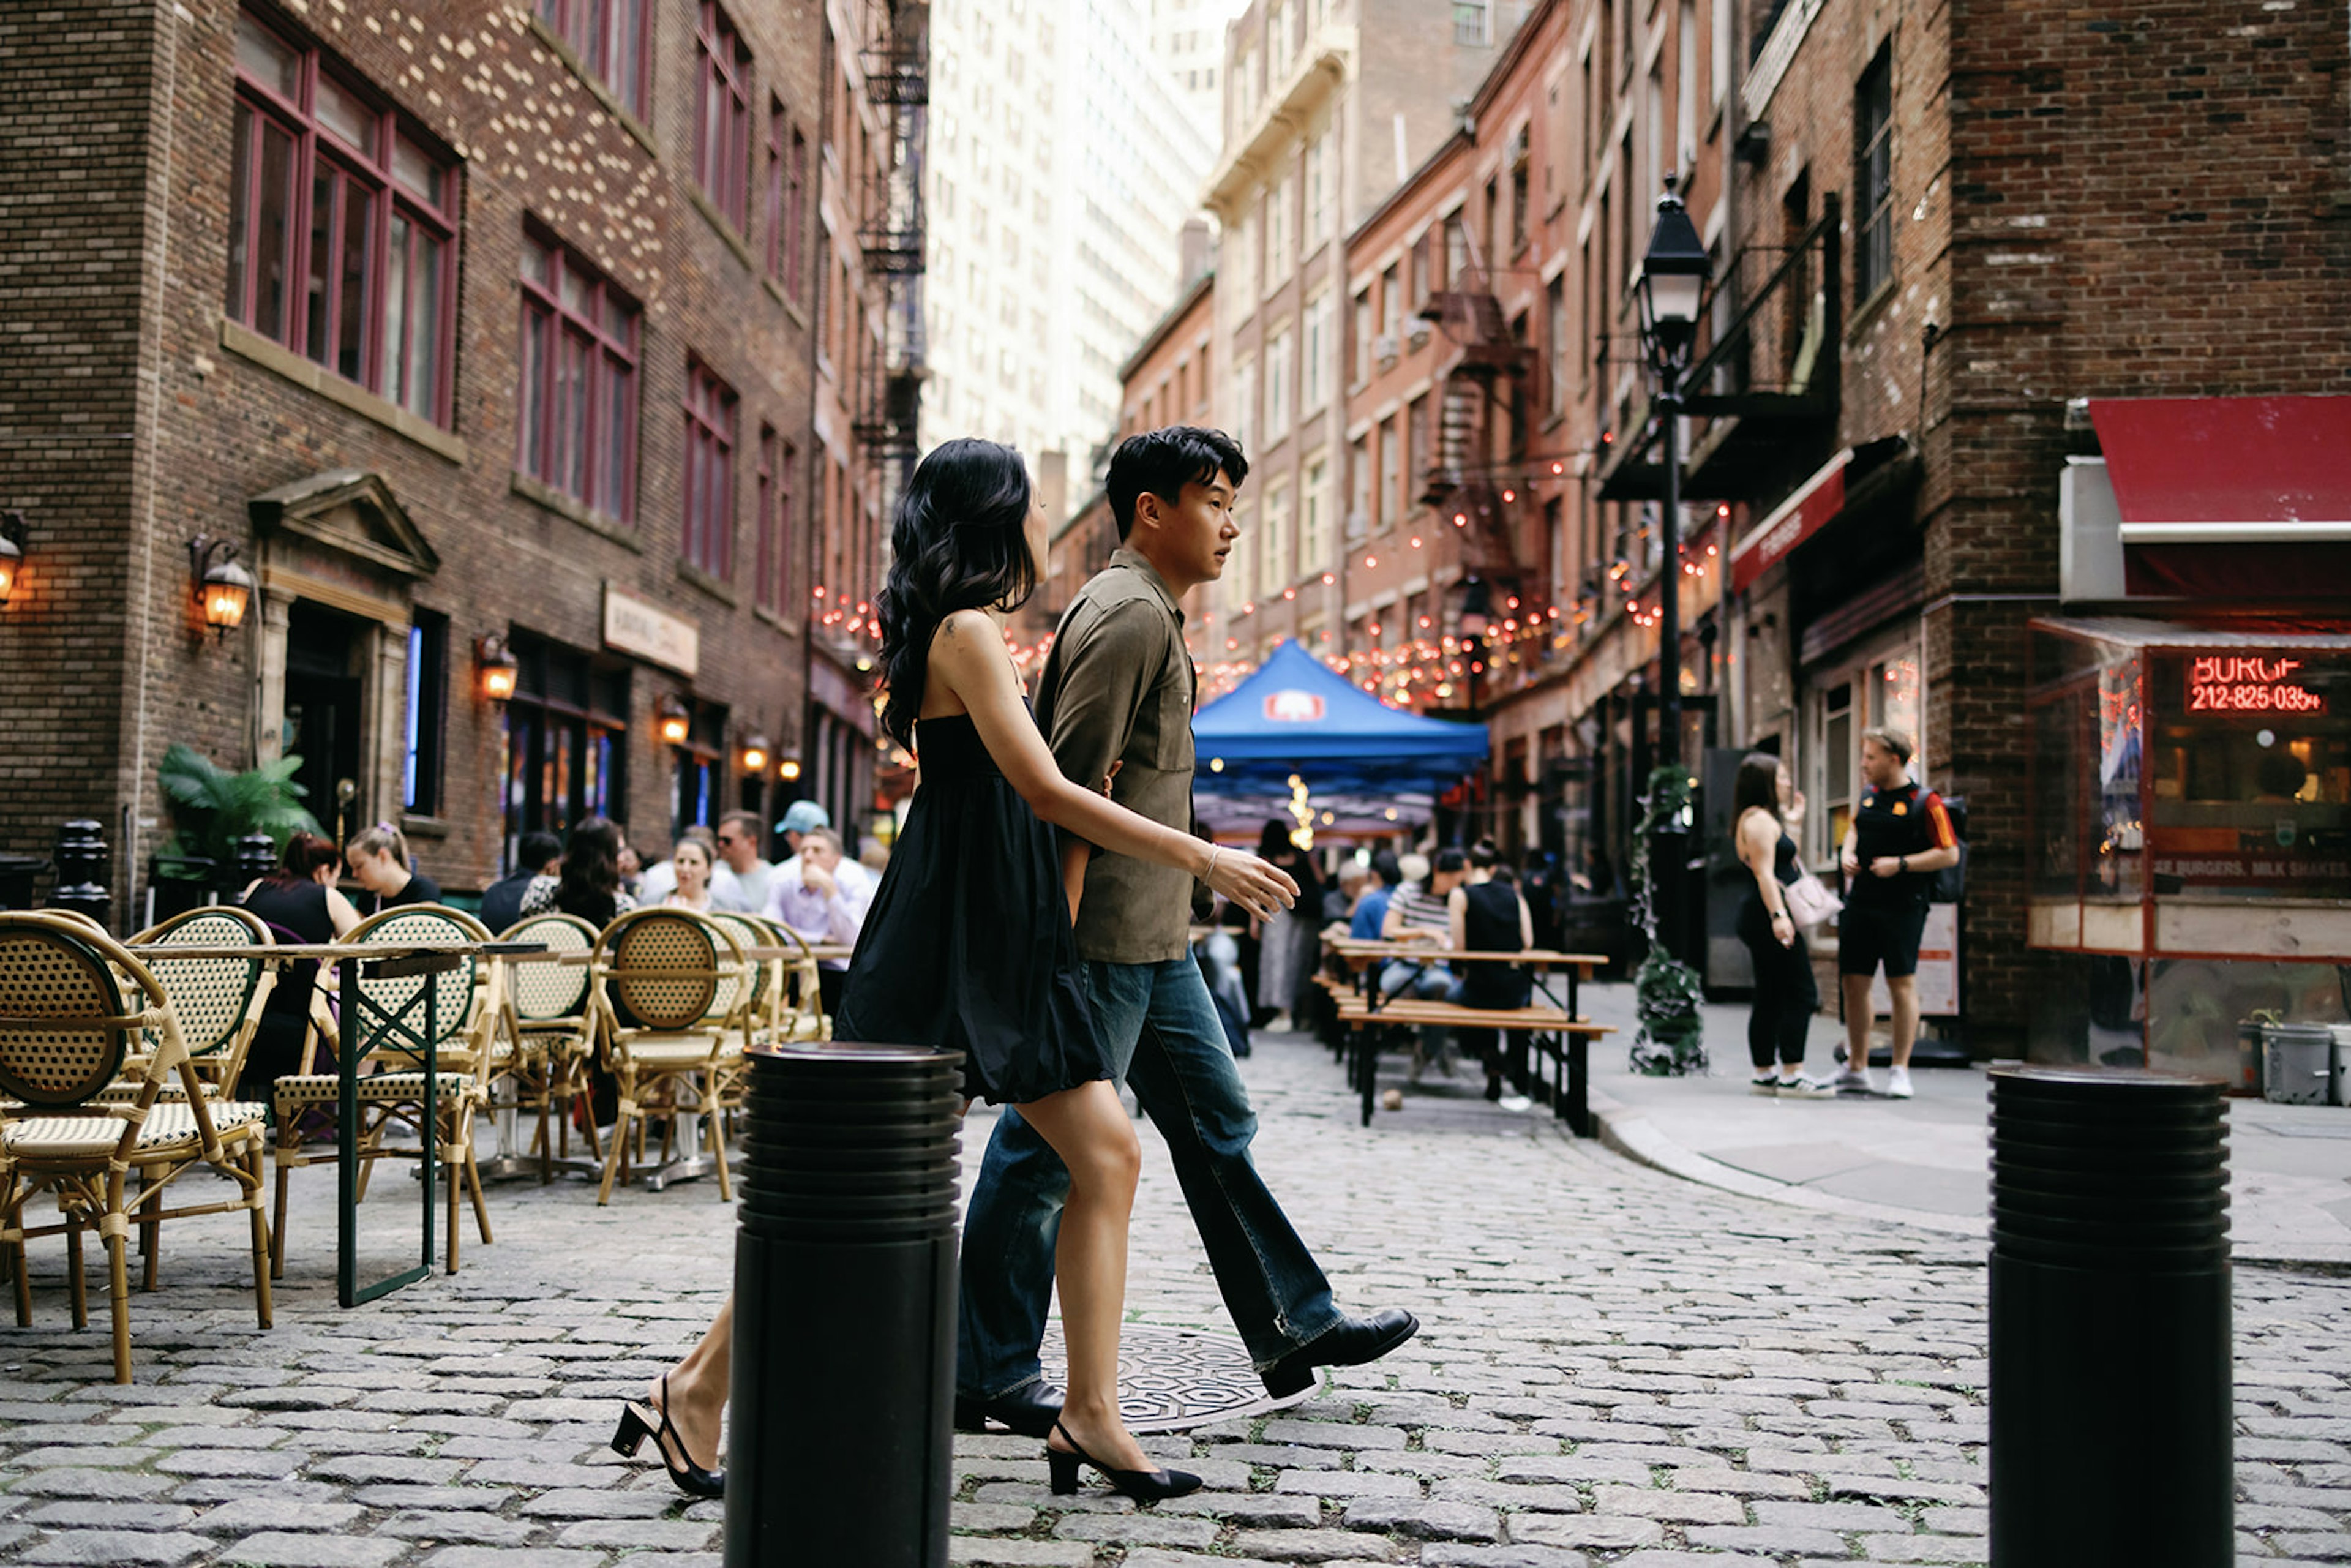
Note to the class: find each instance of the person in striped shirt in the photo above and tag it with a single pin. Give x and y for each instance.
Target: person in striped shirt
(1419, 912)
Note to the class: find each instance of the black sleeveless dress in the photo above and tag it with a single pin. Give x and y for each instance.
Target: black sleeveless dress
(968, 944)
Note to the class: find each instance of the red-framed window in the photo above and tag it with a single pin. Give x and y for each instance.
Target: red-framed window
(710, 541)
(779, 133)
(613, 37)
(772, 590)
(342, 241)
(576, 410)
(722, 114)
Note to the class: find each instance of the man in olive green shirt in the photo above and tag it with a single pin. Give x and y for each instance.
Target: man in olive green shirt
(1115, 701)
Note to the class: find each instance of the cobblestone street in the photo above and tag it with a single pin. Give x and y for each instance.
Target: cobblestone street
(1614, 1367)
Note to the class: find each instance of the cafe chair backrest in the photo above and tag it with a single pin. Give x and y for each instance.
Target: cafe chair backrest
(542, 991)
(452, 993)
(64, 1033)
(750, 932)
(671, 969)
(212, 998)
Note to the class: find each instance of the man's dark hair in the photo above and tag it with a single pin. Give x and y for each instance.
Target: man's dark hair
(1449, 861)
(1162, 462)
(535, 850)
(1385, 867)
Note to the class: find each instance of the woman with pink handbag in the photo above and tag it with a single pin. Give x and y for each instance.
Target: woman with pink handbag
(1763, 799)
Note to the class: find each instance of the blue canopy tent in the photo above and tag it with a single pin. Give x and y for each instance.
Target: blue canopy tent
(1357, 757)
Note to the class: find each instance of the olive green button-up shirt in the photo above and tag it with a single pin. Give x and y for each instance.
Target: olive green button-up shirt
(1118, 687)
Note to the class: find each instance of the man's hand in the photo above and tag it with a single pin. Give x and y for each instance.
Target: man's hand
(1847, 864)
(1112, 778)
(1885, 865)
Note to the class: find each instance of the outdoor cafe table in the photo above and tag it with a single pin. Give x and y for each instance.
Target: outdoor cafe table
(1361, 955)
(367, 1026)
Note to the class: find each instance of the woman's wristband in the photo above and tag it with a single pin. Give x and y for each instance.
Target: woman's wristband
(1208, 873)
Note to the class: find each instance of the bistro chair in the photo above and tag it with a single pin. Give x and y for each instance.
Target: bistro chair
(669, 1000)
(65, 1037)
(218, 1001)
(551, 1028)
(391, 1076)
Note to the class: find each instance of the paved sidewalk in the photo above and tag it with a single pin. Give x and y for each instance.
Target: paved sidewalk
(1924, 1160)
(1616, 1367)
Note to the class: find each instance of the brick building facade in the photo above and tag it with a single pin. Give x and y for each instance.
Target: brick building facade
(549, 377)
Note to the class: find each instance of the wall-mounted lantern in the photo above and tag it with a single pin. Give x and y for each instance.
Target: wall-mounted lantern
(222, 588)
(756, 754)
(671, 720)
(499, 667)
(11, 551)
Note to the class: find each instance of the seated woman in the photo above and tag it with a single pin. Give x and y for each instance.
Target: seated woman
(299, 901)
(1487, 915)
(381, 863)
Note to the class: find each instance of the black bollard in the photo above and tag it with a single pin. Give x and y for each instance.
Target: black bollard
(841, 1443)
(2110, 1385)
(81, 871)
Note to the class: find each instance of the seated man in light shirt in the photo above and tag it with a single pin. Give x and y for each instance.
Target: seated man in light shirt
(818, 901)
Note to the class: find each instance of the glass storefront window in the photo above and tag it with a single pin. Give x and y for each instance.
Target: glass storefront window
(566, 730)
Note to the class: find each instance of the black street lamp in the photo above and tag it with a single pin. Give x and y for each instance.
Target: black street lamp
(1670, 290)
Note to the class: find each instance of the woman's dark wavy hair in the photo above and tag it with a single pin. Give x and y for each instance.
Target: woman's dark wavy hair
(591, 865)
(958, 541)
(1756, 786)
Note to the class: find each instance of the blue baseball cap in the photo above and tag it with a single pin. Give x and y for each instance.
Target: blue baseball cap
(803, 816)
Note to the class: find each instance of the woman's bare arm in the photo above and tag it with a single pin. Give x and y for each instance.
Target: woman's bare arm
(968, 662)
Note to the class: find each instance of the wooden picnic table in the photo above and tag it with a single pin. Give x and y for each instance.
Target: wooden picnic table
(1557, 1034)
(1359, 955)
(376, 960)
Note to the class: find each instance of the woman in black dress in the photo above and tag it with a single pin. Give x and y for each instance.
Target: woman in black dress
(968, 943)
(300, 900)
(1786, 996)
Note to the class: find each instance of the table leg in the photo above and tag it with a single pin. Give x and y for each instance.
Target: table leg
(1579, 1083)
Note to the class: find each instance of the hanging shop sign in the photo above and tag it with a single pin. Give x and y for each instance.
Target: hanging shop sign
(637, 626)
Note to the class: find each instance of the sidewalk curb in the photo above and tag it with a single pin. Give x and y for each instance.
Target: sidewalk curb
(1624, 1130)
(1633, 1136)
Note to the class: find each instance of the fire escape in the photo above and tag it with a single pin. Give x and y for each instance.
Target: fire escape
(890, 383)
(1482, 383)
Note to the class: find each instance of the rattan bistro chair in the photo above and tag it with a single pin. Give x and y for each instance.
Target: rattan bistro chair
(392, 1078)
(218, 1001)
(550, 1027)
(65, 1035)
(670, 1004)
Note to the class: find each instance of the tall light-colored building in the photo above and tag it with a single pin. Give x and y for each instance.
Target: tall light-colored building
(1188, 37)
(1062, 171)
(1328, 105)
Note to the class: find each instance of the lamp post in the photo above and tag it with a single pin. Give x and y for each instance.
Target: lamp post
(1670, 289)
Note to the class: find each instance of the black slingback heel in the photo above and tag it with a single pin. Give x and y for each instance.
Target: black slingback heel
(637, 1424)
(1143, 1486)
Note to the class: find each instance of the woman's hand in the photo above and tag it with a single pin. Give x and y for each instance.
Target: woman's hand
(1254, 885)
(1783, 928)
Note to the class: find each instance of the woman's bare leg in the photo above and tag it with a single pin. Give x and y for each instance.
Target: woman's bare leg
(1089, 1129)
(697, 1388)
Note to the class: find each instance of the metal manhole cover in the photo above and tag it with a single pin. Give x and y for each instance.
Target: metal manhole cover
(1172, 1379)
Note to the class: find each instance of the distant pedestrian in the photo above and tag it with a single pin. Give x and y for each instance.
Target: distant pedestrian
(1286, 942)
(1900, 837)
(380, 862)
(1763, 798)
(537, 854)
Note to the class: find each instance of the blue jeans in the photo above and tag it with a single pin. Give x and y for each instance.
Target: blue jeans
(1430, 980)
(1165, 1042)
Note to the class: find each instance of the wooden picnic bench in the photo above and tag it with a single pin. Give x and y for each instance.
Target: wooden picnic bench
(1551, 1032)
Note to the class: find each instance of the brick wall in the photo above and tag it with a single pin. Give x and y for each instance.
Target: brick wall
(534, 139)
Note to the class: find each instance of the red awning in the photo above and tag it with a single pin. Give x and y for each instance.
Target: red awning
(1807, 510)
(2229, 497)
(2228, 470)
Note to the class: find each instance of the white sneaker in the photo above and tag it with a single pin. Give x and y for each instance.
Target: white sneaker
(1898, 1084)
(1803, 1088)
(1763, 1084)
(1853, 1081)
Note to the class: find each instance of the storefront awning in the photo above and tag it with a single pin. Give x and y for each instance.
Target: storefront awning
(2227, 496)
(1856, 477)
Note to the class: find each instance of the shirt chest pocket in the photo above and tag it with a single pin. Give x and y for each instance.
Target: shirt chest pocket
(1170, 710)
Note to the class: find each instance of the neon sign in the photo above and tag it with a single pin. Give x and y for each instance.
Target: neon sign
(2229, 683)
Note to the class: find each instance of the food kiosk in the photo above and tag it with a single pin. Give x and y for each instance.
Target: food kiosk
(2189, 837)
